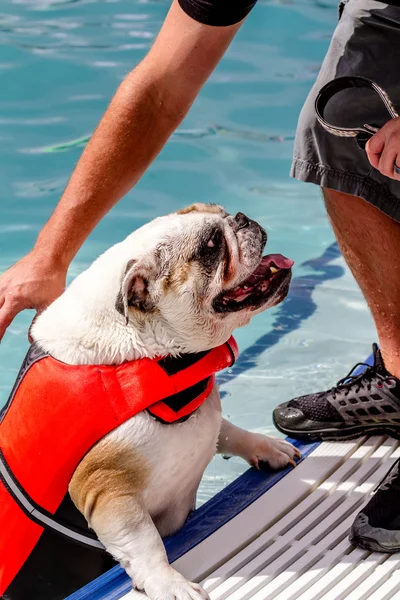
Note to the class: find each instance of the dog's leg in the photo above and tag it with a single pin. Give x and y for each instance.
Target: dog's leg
(107, 488)
(127, 531)
(255, 448)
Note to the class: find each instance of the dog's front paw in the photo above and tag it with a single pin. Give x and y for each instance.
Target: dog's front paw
(171, 585)
(275, 452)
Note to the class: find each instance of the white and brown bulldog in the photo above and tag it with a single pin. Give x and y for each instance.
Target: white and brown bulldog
(180, 284)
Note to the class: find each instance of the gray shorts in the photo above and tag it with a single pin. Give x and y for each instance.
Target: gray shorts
(366, 42)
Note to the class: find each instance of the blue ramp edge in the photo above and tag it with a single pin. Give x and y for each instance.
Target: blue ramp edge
(204, 521)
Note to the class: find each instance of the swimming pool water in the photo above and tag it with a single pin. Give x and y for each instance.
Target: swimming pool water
(60, 62)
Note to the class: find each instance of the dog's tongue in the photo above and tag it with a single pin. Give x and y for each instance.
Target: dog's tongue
(279, 260)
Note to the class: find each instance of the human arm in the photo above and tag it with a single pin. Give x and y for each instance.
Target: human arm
(148, 106)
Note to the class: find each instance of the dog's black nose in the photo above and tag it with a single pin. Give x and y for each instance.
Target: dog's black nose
(241, 221)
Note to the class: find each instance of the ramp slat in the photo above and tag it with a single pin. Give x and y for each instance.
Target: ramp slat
(376, 579)
(292, 542)
(287, 552)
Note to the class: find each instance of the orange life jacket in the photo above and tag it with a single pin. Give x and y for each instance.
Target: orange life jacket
(57, 412)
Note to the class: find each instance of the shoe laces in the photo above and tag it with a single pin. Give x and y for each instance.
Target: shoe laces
(361, 381)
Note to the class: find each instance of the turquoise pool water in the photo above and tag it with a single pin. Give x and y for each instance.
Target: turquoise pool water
(61, 60)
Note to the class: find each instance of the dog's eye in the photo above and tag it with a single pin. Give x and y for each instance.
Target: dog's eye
(215, 239)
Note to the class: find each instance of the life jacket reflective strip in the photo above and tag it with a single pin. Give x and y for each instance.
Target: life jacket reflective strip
(57, 412)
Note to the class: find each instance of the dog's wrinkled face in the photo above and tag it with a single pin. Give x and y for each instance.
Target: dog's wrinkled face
(201, 274)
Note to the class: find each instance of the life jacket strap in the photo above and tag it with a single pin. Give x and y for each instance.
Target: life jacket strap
(39, 515)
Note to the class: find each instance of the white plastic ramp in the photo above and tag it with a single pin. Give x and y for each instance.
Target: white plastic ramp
(291, 543)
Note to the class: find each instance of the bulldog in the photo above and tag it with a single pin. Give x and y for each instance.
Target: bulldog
(177, 286)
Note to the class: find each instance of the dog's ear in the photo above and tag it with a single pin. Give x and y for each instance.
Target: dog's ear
(135, 289)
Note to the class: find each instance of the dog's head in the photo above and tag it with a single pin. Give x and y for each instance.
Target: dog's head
(198, 274)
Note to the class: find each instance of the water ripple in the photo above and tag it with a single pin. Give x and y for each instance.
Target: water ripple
(15, 227)
(36, 189)
(32, 121)
(212, 130)
(61, 147)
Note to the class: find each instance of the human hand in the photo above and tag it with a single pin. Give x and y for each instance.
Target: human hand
(383, 149)
(33, 282)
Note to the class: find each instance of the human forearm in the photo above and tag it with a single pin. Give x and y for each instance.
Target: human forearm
(147, 108)
(131, 134)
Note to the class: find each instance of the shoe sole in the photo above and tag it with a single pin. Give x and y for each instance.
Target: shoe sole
(336, 435)
(372, 545)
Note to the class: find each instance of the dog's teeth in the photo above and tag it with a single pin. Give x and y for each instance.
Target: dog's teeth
(245, 287)
(273, 270)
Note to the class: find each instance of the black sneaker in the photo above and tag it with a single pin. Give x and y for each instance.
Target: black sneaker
(358, 405)
(377, 525)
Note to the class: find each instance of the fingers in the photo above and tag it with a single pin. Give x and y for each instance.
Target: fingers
(374, 148)
(386, 161)
(8, 312)
(31, 283)
(383, 149)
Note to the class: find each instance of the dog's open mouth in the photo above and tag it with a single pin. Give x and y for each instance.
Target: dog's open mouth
(273, 271)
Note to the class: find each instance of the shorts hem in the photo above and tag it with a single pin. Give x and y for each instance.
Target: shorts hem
(349, 183)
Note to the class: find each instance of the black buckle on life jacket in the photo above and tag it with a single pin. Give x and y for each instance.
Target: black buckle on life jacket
(177, 402)
(171, 366)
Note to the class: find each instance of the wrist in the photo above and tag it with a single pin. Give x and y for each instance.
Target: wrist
(58, 241)
(52, 258)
